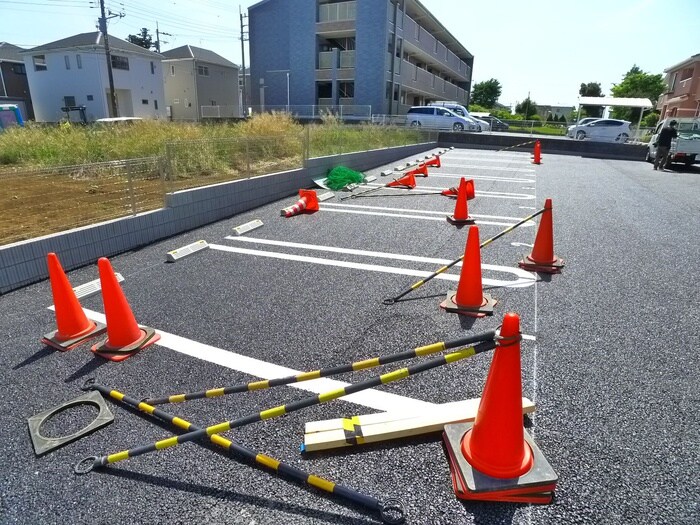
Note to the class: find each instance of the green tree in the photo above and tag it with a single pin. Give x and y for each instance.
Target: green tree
(486, 93)
(637, 83)
(651, 120)
(143, 39)
(592, 89)
(527, 108)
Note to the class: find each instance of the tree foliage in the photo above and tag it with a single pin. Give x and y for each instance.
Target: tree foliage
(637, 83)
(143, 39)
(527, 108)
(486, 93)
(592, 89)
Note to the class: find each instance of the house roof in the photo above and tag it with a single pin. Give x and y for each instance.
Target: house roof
(199, 54)
(685, 62)
(94, 39)
(10, 53)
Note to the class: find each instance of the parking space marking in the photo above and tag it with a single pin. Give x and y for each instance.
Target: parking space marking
(493, 154)
(478, 177)
(489, 168)
(512, 160)
(524, 279)
(488, 194)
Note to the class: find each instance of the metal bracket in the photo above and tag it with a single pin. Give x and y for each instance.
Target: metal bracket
(42, 444)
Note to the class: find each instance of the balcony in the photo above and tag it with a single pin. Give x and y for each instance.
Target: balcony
(347, 60)
(337, 12)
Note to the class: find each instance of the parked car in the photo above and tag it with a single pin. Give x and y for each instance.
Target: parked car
(438, 118)
(495, 123)
(686, 148)
(603, 129)
(460, 110)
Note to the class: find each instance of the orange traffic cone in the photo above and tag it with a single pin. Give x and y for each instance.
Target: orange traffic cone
(542, 258)
(453, 192)
(461, 213)
(494, 459)
(537, 152)
(73, 325)
(124, 336)
(434, 162)
(407, 181)
(470, 299)
(308, 202)
(421, 170)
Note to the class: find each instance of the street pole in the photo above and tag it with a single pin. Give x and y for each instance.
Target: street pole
(287, 91)
(244, 109)
(110, 76)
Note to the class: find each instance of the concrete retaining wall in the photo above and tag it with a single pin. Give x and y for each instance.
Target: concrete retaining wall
(24, 262)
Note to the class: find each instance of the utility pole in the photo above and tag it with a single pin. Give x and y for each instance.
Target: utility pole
(158, 33)
(103, 29)
(244, 37)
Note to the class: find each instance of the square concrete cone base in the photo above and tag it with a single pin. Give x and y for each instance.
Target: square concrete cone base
(535, 486)
(149, 336)
(477, 311)
(555, 267)
(64, 345)
(451, 219)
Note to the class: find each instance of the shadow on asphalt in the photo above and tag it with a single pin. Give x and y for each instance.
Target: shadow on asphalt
(44, 352)
(86, 369)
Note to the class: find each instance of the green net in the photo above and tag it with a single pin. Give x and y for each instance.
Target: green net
(340, 176)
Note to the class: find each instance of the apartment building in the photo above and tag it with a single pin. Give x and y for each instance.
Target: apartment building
(14, 86)
(387, 54)
(683, 96)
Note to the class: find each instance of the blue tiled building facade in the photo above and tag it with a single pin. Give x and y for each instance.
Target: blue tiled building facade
(387, 54)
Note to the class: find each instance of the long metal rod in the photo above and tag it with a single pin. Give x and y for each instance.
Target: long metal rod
(101, 461)
(365, 364)
(358, 195)
(414, 286)
(390, 507)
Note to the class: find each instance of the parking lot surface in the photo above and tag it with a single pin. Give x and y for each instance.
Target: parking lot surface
(610, 356)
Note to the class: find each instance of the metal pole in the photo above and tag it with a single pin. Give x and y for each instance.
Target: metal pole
(110, 76)
(287, 91)
(244, 112)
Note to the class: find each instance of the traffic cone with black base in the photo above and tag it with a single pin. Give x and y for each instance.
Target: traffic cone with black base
(461, 213)
(73, 326)
(124, 336)
(307, 203)
(494, 458)
(470, 299)
(407, 181)
(542, 258)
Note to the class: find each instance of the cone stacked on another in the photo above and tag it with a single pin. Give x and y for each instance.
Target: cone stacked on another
(124, 336)
(542, 258)
(73, 326)
(469, 299)
(461, 213)
(308, 202)
(495, 459)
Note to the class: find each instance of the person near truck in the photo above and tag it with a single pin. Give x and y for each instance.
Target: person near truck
(663, 145)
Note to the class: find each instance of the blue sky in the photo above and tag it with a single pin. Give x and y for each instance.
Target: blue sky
(544, 47)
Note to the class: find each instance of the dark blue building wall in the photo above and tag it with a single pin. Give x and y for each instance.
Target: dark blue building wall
(286, 42)
(371, 53)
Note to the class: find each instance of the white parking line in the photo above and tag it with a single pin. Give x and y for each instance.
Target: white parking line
(524, 279)
(483, 158)
(478, 177)
(488, 194)
(488, 168)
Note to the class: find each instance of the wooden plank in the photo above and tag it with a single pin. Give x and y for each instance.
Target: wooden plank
(359, 434)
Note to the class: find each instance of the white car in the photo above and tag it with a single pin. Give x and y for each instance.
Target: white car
(603, 129)
(438, 118)
(463, 112)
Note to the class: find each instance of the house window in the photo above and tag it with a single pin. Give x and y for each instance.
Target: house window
(153, 68)
(19, 69)
(144, 101)
(172, 71)
(119, 62)
(155, 105)
(203, 71)
(39, 62)
(69, 101)
(66, 59)
(90, 98)
(79, 61)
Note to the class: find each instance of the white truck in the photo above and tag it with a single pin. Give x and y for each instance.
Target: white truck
(686, 148)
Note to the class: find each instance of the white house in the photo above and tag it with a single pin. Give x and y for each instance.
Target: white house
(73, 72)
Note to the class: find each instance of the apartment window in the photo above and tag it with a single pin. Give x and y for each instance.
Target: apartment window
(346, 89)
(120, 62)
(172, 71)
(69, 101)
(79, 61)
(203, 71)
(155, 105)
(90, 98)
(144, 101)
(19, 69)
(39, 62)
(66, 59)
(153, 68)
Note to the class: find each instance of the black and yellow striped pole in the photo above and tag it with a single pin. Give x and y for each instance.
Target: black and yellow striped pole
(101, 461)
(414, 286)
(516, 146)
(421, 351)
(391, 511)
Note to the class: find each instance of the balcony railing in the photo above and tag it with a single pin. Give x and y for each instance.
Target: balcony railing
(347, 60)
(337, 12)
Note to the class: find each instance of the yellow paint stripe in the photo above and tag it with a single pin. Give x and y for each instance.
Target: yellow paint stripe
(145, 407)
(394, 376)
(430, 349)
(181, 423)
(273, 412)
(221, 427)
(367, 363)
(116, 395)
(214, 392)
(456, 356)
(259, 385)
(315, 374)
(267, 461)
(355, 420)
(166, 443)
(333, 394)
(347, 425)
(178, 398)
(221, 441)
(321, 483)
(119, 456)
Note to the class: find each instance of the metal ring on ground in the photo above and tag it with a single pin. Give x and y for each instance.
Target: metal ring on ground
(87, 385)
(90, 460)
(393, 512)
(389, 301)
